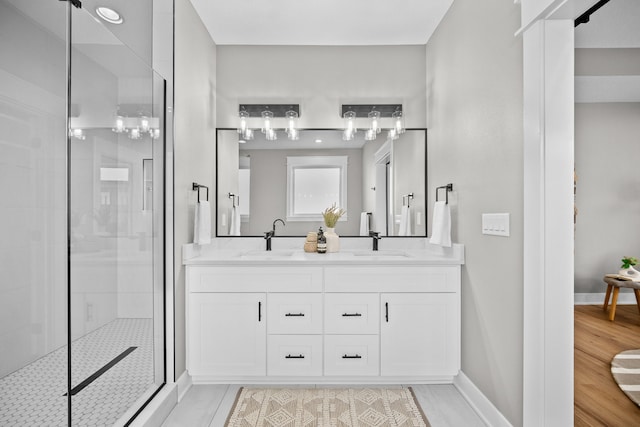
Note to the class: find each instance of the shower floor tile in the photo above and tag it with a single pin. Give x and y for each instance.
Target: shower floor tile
(35, 394)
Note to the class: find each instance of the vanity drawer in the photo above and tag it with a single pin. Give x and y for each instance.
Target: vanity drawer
(254, 279)
(351, 355)
(404, 278)
(294, 355)
(352, 313)
(294, 313)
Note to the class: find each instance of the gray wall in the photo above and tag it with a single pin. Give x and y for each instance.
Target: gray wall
(474, 102)
(194, 144)
(321, 78)
(409, 152)
(607, 191)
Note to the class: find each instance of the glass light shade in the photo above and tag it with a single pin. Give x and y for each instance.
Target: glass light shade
(349, 126)
(144, 124)
(155, 133)
(370, 135)
(119, 127)
(398, 122)
(78, 134)
(270, 135)
(135, 133)
(247, 134)
(374, 116)
(267, 119)
(244, 116)
(293, 134)
(392, 134)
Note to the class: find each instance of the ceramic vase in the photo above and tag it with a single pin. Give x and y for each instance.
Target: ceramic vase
(628, 272)
(333, 240)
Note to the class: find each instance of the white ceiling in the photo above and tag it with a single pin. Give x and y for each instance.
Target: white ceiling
(327, 22)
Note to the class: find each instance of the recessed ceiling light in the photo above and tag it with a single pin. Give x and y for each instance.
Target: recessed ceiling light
(109, 15)
(318, 141)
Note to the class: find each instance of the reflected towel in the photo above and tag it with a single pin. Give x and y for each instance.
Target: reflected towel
(405, 221)
(364, 224)
(202, 223)
(234, 227)
(441, 226)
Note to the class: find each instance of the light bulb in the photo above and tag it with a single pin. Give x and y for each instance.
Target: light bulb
(370, 135)
(267, 116)
(144, 124)
(244, 115)
(349, 125)
(135, 133)
(271, 135)
(398, 119)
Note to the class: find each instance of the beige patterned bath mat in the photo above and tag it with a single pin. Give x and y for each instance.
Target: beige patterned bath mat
(326, 407)
(625, 368)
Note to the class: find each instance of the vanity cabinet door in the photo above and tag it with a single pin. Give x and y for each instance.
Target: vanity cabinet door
(227, 334)
(419, 334)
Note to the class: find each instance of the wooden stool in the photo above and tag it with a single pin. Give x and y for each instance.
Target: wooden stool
(616, 284)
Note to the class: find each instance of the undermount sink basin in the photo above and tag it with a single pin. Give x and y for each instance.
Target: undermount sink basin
(381, 254)
(267, 254)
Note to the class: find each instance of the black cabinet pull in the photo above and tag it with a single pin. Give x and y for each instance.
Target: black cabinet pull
(259, 311)
(351, 315)
(357, 356)
(294, 315)
(386, 311)
(300, 356)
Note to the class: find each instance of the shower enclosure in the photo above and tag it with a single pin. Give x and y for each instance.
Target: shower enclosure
(82, 160)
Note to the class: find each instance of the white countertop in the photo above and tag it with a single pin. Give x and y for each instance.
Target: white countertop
(353, 251)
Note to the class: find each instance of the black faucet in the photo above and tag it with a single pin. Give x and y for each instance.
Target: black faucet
(269, 234)
(376, 237)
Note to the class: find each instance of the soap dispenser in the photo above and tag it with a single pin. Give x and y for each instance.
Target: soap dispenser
(322, 242)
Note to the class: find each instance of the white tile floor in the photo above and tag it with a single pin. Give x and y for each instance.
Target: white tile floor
(34, 395)
(209, 406)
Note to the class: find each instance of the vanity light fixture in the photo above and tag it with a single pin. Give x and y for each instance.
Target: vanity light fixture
(269, 114)
(377, 114)
(109, 15)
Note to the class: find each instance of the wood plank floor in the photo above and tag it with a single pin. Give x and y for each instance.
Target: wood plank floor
(597, 399)
(209, 406)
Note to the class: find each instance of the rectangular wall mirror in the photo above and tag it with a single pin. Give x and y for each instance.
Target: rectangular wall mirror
(382, 180)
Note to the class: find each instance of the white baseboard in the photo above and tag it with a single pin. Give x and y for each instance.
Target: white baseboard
(489, 414)
(184, 383)
(624, 297)
(154, 414)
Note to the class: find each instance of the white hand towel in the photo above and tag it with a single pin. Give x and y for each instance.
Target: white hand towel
(441, 225)
(202, 223)
(234, 227)
(405, 221)
(364, 224)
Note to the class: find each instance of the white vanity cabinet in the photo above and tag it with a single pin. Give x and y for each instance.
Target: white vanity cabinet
(227, 333)
(323, 323)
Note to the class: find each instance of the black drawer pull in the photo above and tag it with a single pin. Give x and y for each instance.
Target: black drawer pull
(259, 311)
(352, 315)
(386, 311)
(294, 315)
(300, 356)
(357, 356)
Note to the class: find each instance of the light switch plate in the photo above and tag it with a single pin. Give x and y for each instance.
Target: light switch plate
(495, 224)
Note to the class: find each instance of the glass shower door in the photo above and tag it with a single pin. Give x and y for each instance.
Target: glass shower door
(116, 159)
(33, 217)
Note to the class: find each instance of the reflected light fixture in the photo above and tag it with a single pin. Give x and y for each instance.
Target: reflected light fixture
(138, 126)
(109, 15)
(78, 134)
